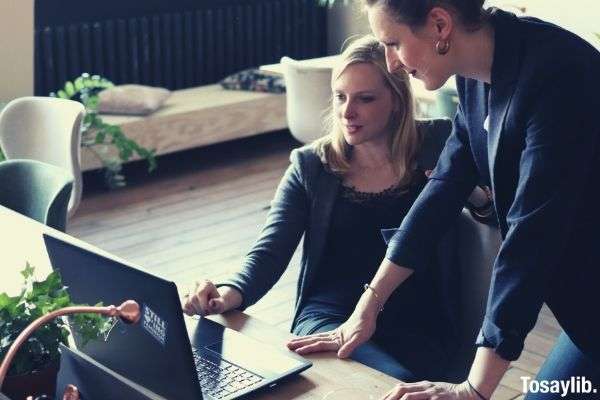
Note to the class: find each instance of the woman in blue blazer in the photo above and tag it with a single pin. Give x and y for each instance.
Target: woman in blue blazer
(527, 126)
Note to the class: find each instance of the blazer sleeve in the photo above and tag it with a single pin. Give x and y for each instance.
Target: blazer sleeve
(286, 222)
(561, 143)
(438, 205)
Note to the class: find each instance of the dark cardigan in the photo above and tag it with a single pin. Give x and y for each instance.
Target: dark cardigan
(302, 205)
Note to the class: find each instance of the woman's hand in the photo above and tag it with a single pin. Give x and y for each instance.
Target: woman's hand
(355, 331)
(343, 340)
(431, 390)
(208, 299)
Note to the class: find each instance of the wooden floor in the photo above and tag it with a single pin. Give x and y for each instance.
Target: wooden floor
(197, 216)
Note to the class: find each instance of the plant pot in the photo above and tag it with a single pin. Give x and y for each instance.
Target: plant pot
(18, 387)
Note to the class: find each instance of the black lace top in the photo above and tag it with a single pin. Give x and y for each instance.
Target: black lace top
(355, 248)
(389, 195)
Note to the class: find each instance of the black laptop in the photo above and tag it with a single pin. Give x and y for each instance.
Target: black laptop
(174, 357)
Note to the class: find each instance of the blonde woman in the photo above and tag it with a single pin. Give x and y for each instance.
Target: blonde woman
(340, 193)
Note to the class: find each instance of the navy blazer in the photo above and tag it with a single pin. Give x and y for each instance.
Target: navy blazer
(541, 156)
(303, 205)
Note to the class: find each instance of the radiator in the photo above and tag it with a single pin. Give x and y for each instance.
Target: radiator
(179, 49)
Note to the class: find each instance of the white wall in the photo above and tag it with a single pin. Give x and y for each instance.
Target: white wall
(343, 21)
(579, 16)
(16, 49)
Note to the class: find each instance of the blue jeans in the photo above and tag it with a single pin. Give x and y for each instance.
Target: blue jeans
(408, 360)
(564, 362)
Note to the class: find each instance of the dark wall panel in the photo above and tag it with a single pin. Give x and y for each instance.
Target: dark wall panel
(170, 43)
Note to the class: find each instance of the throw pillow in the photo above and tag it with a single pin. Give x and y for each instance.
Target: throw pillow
(131, 99)
(254, 80)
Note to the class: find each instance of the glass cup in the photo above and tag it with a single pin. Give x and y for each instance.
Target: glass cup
(349, 394)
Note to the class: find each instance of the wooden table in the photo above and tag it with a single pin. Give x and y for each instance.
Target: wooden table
(22, 241)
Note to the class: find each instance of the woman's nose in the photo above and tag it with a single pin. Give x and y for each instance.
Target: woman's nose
(349, 111)
(392, 61)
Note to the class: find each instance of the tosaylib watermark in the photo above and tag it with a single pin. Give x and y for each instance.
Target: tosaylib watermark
(575, 385)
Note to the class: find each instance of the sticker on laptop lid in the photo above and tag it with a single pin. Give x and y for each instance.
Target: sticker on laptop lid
(154, 325)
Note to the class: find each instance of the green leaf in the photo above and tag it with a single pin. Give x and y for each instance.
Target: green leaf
(36, 299)
(28, 271)
(54, 281)
(70, 89)
(95, 132)
(79, 84)
(100, 137)
(6, 301)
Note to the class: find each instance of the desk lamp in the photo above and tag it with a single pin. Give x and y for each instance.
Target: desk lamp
(128, 311)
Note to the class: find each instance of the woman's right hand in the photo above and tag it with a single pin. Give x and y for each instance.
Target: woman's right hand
(208, 299)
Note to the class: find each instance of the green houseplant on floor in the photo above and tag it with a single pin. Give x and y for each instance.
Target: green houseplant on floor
(37, 359)
(97, 135)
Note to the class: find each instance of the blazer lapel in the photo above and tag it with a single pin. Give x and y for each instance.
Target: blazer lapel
(505, 69)
(499, 101)
(478, 136)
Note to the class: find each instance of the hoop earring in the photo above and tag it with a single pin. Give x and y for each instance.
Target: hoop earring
(442, 47)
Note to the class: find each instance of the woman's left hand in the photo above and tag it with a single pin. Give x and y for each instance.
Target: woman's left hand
(425, 390)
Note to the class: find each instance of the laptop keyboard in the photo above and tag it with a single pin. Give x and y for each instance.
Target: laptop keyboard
(221, 379)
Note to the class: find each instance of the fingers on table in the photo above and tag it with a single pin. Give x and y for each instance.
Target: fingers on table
(197, 302)
(412, 391)
(187, 307)
(326, 341)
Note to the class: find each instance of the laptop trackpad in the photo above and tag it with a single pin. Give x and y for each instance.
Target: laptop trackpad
(244, 351)
(250, 354)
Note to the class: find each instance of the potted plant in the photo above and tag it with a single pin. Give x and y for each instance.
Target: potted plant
(97, 135)
(34, 368)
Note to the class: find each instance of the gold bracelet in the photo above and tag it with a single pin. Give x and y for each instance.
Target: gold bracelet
(367, 287)
(482, 397)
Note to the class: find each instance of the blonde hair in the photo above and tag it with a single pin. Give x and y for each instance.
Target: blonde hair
(333, 149)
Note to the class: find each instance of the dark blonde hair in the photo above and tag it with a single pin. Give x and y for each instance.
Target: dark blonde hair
(333, 149)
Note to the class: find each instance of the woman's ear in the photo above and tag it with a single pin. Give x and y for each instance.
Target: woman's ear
(440, 22)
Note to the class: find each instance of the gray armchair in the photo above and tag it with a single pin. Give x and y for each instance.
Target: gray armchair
(478, 245)
(37, 190)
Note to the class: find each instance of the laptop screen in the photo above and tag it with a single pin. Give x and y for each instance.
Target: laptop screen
(155, 352)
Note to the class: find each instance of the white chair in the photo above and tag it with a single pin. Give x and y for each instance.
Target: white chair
(46, 129)
(308, 95)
